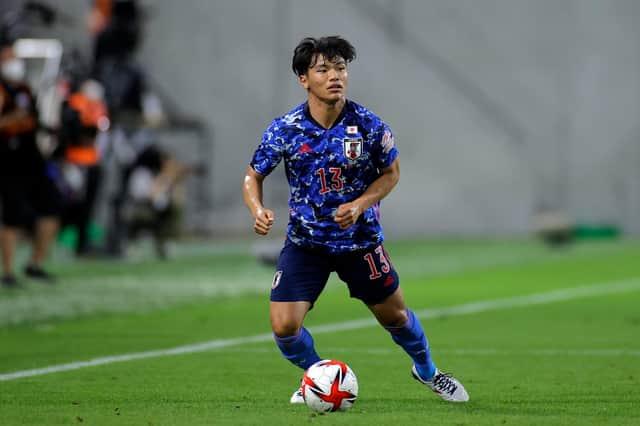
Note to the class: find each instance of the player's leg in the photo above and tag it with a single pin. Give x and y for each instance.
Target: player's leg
(294, 341)
(405, 330)
(372, 278)
(299, 279)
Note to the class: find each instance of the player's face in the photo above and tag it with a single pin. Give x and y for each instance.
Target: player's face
(326, 80)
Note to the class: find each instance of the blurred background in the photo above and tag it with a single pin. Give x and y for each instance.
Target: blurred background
(511, 116)
(514, 227)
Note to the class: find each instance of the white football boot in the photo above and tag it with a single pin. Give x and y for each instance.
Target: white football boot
(443, 384)
(297, 397)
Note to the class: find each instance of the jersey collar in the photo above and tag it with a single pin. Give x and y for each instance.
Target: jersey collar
(307, 114)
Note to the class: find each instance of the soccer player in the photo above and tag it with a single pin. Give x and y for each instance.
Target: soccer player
(340, 161)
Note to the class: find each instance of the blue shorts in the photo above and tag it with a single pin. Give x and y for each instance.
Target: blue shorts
(302, 274)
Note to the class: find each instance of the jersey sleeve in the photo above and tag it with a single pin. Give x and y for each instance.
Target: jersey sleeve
(269, 152)
(385, 147)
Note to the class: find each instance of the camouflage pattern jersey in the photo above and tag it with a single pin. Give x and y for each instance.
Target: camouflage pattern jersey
(326, 168)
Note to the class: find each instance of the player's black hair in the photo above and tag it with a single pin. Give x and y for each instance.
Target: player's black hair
(331, 47)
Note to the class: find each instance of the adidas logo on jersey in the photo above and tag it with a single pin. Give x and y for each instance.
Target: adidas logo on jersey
(305, 148)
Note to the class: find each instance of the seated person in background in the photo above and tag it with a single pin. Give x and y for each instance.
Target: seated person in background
(155, 196)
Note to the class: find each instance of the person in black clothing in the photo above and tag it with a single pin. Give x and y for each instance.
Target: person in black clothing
(83, 116)
(28, 197)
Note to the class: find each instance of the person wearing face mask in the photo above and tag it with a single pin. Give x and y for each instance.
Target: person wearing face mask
(28, 198)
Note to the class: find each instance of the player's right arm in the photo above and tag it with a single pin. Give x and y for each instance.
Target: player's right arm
(252, 194)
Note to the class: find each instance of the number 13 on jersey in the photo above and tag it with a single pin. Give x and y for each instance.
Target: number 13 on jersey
(335, 177)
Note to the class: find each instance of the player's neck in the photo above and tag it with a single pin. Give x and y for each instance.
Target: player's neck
(325, 113)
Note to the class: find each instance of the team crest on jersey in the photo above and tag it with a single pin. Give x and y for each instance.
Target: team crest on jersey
(276, 279)
(352, 148)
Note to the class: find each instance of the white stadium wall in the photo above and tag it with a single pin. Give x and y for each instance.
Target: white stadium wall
(499, 107)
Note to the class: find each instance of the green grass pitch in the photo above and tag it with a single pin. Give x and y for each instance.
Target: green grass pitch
(537, 335)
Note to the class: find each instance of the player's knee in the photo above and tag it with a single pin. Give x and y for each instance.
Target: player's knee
(397, 318)
(285, 327)
(390, 315)
(393, 318)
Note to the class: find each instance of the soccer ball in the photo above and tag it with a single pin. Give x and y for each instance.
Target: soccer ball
(329, 385)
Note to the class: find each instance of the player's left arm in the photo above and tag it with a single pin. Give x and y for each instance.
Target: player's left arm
(348, 213)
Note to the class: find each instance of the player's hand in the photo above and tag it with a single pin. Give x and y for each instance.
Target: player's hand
(264, 221)
(347, 214)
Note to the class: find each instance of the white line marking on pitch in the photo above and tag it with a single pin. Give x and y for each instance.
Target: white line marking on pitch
(612, 287)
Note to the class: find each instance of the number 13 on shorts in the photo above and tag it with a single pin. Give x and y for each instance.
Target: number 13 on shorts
(385, 264)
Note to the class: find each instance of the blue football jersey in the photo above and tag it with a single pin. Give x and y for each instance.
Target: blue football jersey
(326, 168)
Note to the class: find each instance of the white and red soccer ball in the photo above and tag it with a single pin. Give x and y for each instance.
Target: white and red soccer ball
(329, 385)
